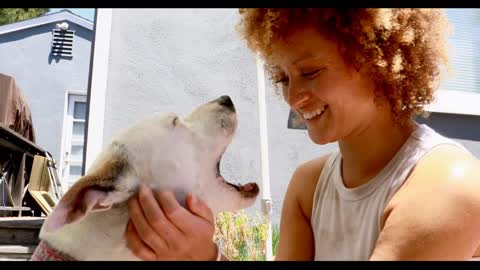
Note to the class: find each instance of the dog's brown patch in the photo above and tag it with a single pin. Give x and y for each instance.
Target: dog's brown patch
(90, 192)
(101, 179)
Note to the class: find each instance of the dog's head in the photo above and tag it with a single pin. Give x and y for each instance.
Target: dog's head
(164, 151)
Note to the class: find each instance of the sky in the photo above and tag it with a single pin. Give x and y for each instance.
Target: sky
(87, 13)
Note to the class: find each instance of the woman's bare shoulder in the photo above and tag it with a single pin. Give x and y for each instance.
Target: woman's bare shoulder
(304, 182)
(436, 213)
(445, 167)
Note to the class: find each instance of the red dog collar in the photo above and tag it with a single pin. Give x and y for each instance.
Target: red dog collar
(45, 252)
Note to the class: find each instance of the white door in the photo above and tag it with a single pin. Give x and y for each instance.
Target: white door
(74, 139)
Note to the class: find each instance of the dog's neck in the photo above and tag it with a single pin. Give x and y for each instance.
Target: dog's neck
(45, 252)
(98, 236)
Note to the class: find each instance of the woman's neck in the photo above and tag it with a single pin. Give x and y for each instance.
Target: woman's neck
(369, 149)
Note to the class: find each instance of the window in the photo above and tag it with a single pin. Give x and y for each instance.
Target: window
(74, 139)
(465, 50)
(460, 94)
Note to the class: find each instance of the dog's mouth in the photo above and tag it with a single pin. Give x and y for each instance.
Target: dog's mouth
(249, 190)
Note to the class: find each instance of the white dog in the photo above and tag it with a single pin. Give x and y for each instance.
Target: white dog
(165, 152)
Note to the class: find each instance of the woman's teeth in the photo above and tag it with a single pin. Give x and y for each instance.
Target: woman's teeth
(310, 115)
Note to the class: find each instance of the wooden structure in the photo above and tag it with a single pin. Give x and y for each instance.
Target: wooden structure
(19, 237)
(29, 183)
(29, 189)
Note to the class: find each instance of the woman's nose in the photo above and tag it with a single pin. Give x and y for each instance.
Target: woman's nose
(297, 96)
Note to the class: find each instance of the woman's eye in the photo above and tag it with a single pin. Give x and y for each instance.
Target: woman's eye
(311, 74)
(280, 79)
(283, 80)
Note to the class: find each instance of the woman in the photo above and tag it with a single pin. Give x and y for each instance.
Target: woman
(395, 190)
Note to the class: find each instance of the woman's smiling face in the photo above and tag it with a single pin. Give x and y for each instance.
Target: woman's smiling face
(333, 98)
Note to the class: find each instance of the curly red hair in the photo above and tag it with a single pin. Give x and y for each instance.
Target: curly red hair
(403, 50)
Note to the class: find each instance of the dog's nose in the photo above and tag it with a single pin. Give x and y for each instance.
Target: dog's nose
(227, 102)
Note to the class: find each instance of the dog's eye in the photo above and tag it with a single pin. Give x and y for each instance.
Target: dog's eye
(174, 121)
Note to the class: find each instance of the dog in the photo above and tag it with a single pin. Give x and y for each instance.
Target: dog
(163, 151)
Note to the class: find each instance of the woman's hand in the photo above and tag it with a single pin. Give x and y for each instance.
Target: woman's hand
(161, 229)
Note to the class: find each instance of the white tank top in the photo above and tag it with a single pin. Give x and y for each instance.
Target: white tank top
(346, 221)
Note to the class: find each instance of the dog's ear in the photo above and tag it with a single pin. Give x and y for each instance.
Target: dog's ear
(89, 194)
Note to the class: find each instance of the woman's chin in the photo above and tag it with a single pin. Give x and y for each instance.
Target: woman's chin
(320, 137)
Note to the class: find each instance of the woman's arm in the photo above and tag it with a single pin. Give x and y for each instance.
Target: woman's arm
(296, 242)
(436, 214)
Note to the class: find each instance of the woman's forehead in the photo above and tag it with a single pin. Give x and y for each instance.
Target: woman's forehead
(300, 47)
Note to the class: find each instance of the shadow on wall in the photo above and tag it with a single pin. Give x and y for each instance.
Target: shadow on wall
(57, 59)
(295, 121)
(462, 127)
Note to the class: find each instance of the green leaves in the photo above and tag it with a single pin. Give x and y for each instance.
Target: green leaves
(11, 15)
(243, 237)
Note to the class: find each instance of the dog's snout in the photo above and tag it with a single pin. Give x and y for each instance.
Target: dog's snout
(226, 101)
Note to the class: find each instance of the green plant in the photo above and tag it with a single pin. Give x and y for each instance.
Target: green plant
(243, 238)
(275, 238)
(11, 15)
